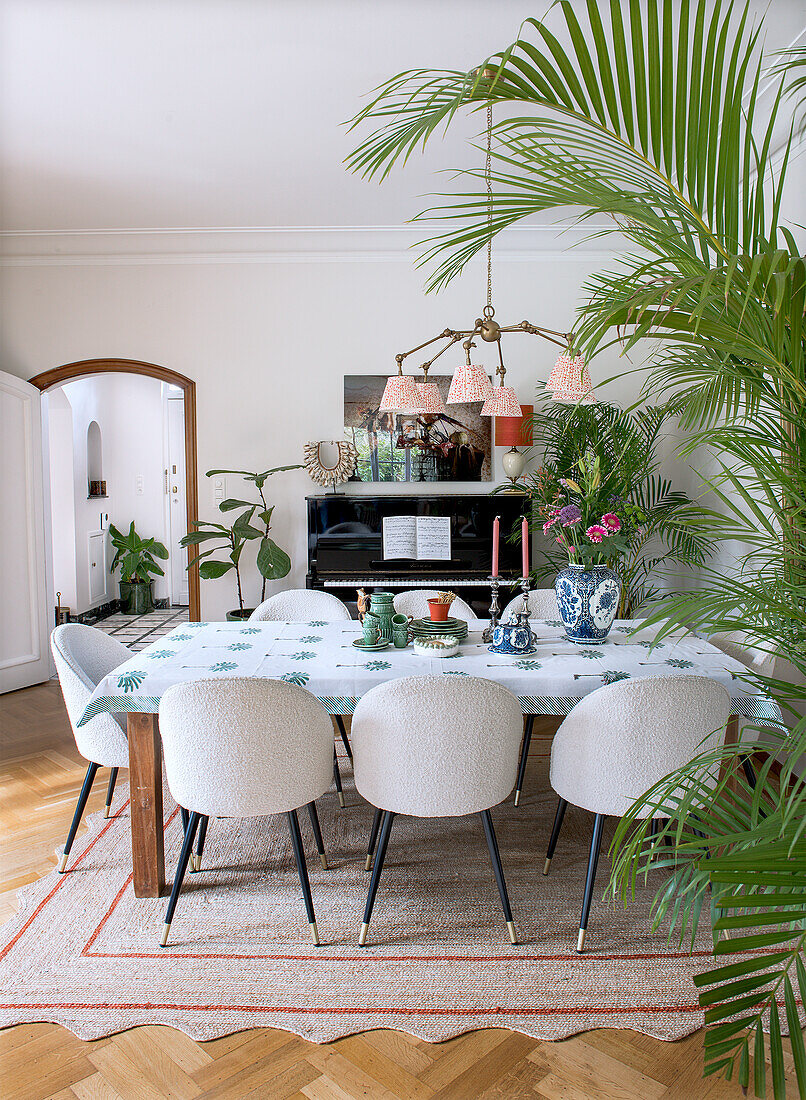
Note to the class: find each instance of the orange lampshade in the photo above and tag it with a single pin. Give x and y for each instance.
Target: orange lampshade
(515, 431)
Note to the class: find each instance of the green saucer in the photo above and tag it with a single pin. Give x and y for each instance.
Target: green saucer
(360, 644)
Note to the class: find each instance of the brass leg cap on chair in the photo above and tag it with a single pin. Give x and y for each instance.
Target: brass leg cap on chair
(195, 864)
(106, 810)
(62, 863)
(323, 860)
(517, 797)
(546, 866)
(368, 864)
(315, 934)
(362, 939)
(341, 799)
(511, 929)
(581, 941)
(166, 928)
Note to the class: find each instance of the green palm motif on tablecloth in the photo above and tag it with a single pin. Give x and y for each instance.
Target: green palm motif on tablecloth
(377, 666)
(223, 666)
(588, 653)
(250, 630)
(310, 639)
(614, 677)
(454, 672)
(649, 645)
(303, 655)
(181, 637)
(131, 681)
(160, 654)
(678, 662)
(528, 665)
(317, 622)
(300, 678)
(238, 647)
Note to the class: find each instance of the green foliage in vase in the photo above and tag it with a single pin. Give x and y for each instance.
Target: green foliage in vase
(135, 555)
(658, 525)
(654, 120)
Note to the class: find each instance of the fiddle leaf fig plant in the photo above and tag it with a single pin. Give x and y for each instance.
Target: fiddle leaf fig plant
(252, 524)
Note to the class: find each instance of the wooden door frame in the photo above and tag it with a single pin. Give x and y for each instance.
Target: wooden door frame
(57, 375)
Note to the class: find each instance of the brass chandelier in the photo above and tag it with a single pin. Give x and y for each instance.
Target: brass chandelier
(569, 380)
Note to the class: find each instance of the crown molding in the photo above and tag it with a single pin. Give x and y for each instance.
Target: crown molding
(277, 244)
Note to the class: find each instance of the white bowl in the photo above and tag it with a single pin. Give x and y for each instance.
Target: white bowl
(441, 645)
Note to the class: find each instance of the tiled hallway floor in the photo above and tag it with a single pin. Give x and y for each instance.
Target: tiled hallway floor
(138, 631)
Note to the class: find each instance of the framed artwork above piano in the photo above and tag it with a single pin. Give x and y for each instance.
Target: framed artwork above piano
(452, 446)
(345, 544)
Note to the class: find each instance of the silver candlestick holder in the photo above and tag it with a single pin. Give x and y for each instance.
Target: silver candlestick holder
(522, 617)
(495, 610)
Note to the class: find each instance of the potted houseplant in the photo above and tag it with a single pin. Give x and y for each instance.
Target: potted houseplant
(591, 526)
(252, 523)
(135, 556)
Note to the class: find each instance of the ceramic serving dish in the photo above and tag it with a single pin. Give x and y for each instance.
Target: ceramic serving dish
(438, 646)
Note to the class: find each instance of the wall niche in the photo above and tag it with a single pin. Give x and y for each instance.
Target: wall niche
(96, 486)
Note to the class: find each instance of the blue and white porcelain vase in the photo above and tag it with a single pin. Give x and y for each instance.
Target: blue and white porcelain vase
(588, 599)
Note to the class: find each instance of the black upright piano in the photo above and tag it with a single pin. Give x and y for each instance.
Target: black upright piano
(345, 546)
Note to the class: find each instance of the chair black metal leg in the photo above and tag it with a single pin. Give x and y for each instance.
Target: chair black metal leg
(86, 787)
(373, 836)
(110, 790)
(527, 740)
(344, 737)
(593, 860)
(185, 817)
(337, 778)
(383, 842)
(495, 856)
(179, 877)
(317, 834)
(195, 861)
(302, 869)
(555, 833)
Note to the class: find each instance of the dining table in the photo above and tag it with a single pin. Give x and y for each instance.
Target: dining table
(320, 657)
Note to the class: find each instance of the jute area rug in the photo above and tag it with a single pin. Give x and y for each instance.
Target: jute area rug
(82, 952)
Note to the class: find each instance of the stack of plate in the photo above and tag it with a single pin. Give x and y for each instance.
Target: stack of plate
(427, 628)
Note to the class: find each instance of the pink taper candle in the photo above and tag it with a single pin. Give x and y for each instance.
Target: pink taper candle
(496, 536)
(525, 545)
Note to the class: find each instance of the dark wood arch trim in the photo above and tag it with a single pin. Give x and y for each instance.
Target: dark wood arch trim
(55, 377)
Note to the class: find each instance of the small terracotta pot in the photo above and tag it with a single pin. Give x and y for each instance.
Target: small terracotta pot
(439, 611)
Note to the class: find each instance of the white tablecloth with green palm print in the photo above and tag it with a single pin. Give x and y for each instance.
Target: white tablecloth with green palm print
(319, 656)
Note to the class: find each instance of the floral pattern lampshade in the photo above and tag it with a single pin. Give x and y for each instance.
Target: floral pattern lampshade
(502, 402)
(571, 381)
(429, 399)
(469, 383)
(399, 395)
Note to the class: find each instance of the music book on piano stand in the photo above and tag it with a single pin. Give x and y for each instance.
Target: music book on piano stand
(418, 538)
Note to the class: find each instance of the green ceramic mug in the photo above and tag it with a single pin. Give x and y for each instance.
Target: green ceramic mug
(400, 630)
(372, 629)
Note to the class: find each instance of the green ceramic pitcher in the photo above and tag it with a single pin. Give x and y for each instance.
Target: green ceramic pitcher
(382, 605)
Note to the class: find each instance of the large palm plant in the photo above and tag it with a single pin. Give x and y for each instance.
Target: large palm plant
(657, 123)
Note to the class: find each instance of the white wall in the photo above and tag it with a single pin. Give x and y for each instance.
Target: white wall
(128, 411)
(269, 342)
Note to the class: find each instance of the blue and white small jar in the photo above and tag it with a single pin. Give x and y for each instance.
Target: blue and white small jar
(588, 599)
(514, 638)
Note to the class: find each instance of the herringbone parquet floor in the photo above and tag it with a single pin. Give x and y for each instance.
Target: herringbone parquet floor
(40, 774)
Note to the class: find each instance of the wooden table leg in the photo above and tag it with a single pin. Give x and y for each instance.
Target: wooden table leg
(145, 779)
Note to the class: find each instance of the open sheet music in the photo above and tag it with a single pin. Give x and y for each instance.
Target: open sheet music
(421, 538)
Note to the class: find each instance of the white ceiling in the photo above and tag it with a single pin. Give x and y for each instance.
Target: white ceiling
(168, 113)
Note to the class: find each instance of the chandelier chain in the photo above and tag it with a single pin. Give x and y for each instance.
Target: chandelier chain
(488, 178)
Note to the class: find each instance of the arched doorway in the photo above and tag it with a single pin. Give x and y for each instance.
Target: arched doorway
(70, 371)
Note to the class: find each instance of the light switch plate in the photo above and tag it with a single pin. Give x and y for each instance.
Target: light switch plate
(140, 485)
(219, 488)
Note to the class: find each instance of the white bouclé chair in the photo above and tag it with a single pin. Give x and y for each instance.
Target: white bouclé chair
(414, 602)
(435, 746)
(542, 605)
(298, 605)
(243, 747)
(83, 656)
(620, 741)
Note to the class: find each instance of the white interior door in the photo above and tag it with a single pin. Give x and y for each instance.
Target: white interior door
(24, 619)
(177, 508)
